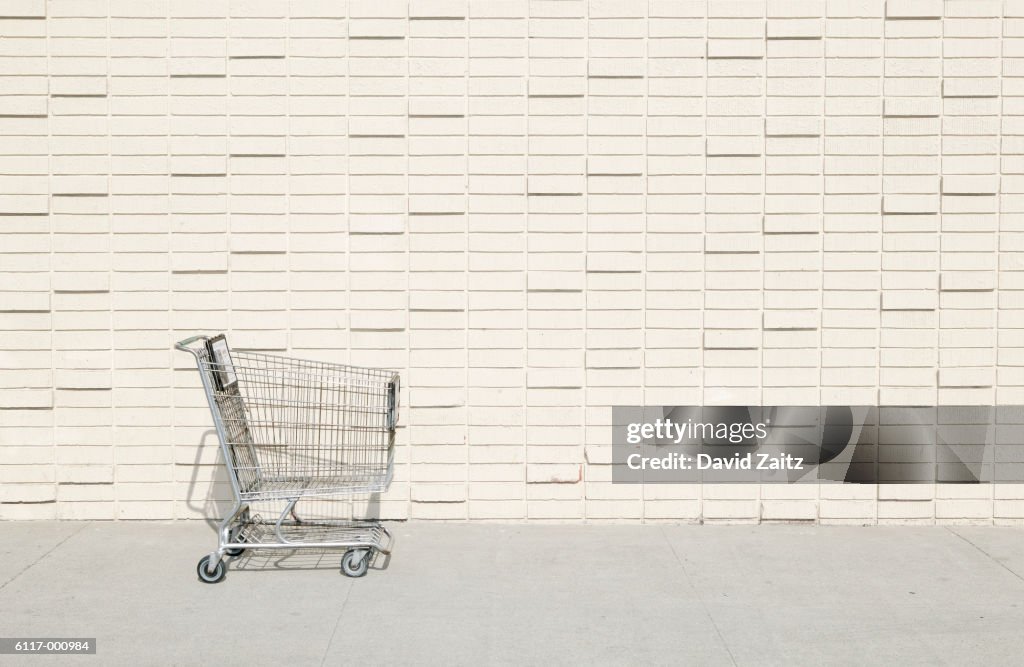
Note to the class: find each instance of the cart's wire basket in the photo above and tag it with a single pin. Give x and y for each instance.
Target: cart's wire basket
(295, 427)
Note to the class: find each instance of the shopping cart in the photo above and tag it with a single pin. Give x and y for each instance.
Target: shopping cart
(292, 429)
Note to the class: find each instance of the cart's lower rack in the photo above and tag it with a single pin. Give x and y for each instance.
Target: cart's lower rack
(329, 534)
(362, 540)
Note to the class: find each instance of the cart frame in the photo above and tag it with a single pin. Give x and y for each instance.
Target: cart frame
(242, 529)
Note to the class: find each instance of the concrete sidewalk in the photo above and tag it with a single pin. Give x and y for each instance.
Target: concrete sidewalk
(524, 594)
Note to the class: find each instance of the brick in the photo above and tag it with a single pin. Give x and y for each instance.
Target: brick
(730, 511)
(26, 398)
(967, 377)
(732, 339)
(909, 300)
(23, 8)
(968, 281)
(438, 493)
(553, 474)
(913, 8)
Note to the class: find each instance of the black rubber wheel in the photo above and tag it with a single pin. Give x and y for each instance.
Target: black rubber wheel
(215, 577)
(356, 562)
(235, 536)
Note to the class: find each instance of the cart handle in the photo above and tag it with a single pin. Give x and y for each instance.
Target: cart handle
(184, 344)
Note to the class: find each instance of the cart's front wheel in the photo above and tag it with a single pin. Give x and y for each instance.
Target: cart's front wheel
(356, 562)
(235, 535)
(214, 577)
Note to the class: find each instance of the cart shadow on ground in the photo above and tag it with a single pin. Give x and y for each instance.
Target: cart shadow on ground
(256, 560)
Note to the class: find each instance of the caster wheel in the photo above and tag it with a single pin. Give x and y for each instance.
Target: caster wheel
(235, 536)
(356, 562)
(215, 577)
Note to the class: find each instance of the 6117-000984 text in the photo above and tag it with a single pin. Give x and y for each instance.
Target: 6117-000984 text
(46, 645)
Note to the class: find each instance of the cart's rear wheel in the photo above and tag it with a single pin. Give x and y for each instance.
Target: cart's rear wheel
(236, 535)
(214, 577)
(356, 562)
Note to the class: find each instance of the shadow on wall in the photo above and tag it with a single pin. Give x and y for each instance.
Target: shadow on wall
(212, 498)
(210, 504)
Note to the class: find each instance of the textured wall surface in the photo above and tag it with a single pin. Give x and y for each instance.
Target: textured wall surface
(534, 210)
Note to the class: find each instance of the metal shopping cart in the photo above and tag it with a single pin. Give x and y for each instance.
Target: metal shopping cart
(293, 429)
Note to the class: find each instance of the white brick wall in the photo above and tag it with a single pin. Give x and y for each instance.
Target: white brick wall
(533, 209)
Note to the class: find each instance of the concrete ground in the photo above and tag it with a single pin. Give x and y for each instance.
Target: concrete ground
(525, 594)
